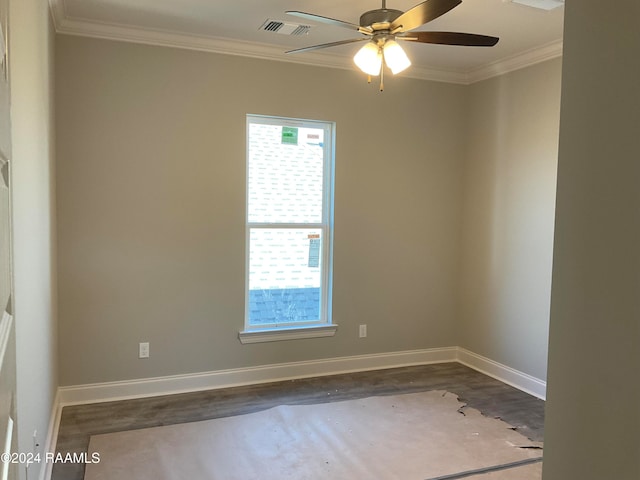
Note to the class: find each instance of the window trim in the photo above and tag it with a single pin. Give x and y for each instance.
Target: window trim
(325, 326)
(286, 333)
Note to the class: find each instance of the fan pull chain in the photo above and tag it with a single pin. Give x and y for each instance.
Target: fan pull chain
(382, 79)
(369, 79)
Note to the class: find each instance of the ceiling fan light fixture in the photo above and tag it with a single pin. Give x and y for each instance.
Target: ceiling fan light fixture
(382, 26)
(369, 59)
(394, 57)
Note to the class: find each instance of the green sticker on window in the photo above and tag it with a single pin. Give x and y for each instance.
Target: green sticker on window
(290, 135)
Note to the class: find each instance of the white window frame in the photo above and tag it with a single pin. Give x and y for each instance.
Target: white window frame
(324, 327)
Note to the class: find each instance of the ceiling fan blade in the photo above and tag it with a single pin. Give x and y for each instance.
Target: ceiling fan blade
(451, 38)
(327, 20)
(422, 13)
(326, 45)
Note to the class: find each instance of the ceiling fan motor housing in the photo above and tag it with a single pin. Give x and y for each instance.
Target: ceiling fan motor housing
(380, 15)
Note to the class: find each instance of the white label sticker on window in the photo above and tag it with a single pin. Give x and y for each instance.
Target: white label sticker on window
(314, 251)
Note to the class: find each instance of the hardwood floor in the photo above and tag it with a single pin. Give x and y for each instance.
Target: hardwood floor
(491, 397)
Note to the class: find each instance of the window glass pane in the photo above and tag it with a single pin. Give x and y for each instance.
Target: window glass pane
(285, 174)
(284, 275)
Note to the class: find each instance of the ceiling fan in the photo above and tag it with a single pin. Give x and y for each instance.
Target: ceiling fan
(382, 27)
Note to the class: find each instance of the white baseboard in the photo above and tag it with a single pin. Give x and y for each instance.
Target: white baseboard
(52, 437)
(520, 380)
(102, 392)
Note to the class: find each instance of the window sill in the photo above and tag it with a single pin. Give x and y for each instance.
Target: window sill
(292, 333)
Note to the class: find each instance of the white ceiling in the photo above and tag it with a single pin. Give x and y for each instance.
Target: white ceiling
(527, 35)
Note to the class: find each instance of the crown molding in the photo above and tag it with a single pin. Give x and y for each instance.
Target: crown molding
(516, 62)
(64, 24)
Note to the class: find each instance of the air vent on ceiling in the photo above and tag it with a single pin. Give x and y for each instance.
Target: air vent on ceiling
(541, 4)
(285, 28)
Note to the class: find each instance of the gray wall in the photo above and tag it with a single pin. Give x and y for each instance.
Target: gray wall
(31, 76)
(594, 355)
(509, 202)
(150, 177)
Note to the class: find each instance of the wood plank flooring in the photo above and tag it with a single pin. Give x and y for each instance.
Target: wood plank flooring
(491, 397)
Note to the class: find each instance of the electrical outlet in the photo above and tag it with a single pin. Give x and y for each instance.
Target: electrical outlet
(143, 350)
(363, 331)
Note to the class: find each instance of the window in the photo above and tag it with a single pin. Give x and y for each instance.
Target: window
(288, 229)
